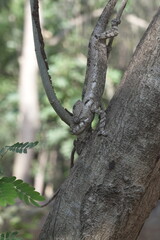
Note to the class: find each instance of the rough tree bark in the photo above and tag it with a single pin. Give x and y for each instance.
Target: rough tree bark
(115, 183)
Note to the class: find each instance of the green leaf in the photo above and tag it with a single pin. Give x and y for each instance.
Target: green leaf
(2, 236)
(25, 150)
(27, 193)
(20, 195)
(18, 150)
(36, 196)
(2, 150)
(26, 199)
(8, 179)
(14, 234)
(20, 147)
(11, 188)
(8, 194)
(18, 182)
(25, 144)
(32, 144)
(34, 203)
(9, 236)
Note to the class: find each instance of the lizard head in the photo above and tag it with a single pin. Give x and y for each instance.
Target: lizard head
(82, 117)
(77, 111)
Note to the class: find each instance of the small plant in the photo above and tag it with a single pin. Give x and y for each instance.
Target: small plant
(18, 147)
(9, 236)
(12, 188)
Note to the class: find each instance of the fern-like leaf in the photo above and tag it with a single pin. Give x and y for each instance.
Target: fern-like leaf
(27, 193)
(18, 147)
(9, 236)
(22, 147)
(7, 194)
(11, 188)
(2, 150)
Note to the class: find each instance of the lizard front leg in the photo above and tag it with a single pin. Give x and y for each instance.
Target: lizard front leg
(111, 33)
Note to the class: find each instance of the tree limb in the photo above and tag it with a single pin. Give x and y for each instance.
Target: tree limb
(43, 65)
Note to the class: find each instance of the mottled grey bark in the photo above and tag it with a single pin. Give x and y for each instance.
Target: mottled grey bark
(115, 182)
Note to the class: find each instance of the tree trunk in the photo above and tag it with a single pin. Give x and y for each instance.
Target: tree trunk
(28, 99)
(39, 179)
(115, 183)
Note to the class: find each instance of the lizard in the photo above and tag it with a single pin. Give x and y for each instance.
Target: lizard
(84, 110)
(94, 84)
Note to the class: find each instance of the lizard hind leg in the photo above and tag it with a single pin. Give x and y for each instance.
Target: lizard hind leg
(112, 32)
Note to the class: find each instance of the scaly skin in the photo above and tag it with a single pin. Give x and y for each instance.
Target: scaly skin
(84, 111)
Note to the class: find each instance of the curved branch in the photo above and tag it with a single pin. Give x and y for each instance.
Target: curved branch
(43, 65)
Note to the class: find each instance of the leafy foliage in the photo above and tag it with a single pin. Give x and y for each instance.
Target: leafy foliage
(18, 147)
(9, 236)
(12, 188)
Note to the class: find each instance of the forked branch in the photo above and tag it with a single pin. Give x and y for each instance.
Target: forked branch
(43, 64)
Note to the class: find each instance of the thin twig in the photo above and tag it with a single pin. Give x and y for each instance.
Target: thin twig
(51, 199)
(119, 13)
(43, 65)
(116, 20)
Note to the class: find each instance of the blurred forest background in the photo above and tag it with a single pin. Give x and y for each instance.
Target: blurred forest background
(25, 113)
